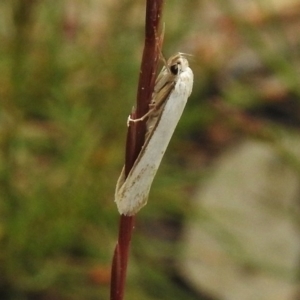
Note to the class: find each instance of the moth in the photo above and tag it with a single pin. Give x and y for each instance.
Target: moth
(172, 88)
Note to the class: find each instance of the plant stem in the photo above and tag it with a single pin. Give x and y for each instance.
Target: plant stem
(136, 137)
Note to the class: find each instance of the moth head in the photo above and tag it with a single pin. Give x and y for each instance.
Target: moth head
(177, 64)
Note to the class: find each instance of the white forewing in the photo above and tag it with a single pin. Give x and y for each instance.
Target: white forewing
(132, 193)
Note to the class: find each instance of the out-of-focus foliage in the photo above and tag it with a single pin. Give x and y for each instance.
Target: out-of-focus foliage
(68, 77)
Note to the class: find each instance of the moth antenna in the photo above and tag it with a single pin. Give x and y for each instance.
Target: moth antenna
(186, 54)
(161, 37)
(161, 56)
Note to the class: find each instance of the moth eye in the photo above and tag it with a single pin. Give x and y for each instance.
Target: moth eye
(174, 69)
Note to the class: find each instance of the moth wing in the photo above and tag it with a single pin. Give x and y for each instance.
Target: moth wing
(132, 194)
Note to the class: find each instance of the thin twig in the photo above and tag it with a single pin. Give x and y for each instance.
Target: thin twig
(136, 137)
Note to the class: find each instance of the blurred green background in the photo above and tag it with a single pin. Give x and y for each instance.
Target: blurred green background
(68, 79)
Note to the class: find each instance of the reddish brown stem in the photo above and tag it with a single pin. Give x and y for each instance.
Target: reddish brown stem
(135, 139)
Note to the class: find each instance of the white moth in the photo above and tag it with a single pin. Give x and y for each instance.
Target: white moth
(172, 88)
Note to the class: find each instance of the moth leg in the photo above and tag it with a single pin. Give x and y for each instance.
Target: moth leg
(152, 105)
(129, 119)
